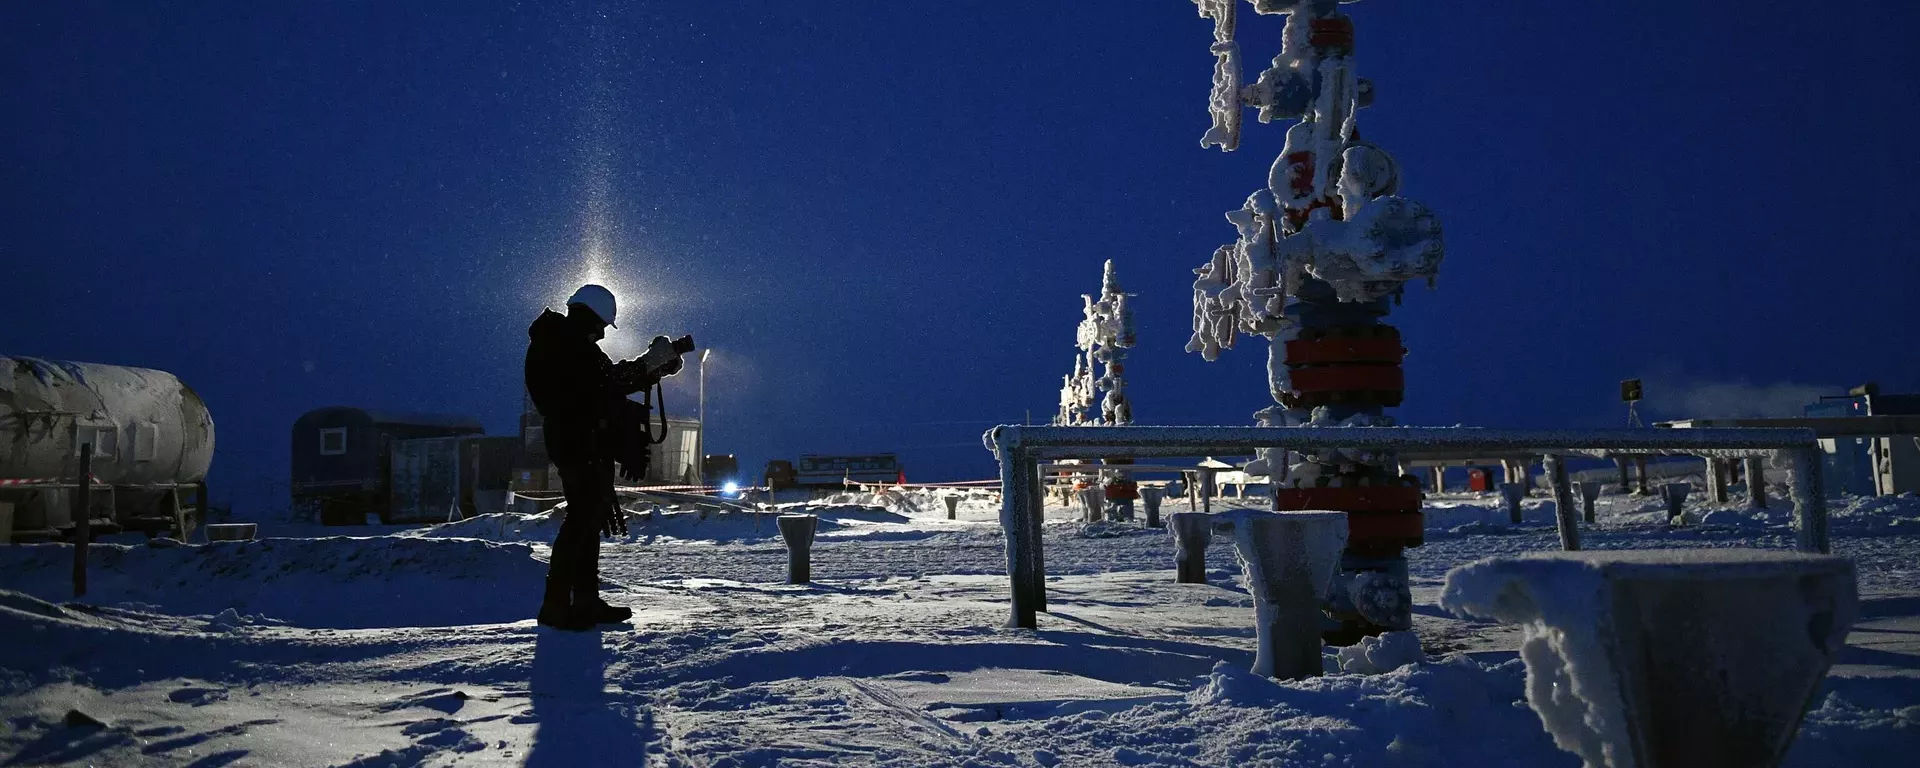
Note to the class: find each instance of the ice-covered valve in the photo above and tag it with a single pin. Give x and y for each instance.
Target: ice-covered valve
(1589, 492)
(1510, 496)
(797, 531)
(1192, 532)
(1287, 559)
(1151, 496)
(1650, 658)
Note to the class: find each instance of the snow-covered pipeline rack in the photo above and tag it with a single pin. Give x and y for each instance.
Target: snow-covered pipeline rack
(1020, 449)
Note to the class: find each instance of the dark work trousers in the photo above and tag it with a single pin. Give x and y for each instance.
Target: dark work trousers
(575, 564)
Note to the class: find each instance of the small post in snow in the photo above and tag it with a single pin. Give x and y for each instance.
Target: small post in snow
(1626, 479)
(1568, 525)
(1095, 500)
(1589, 491)
(1510, 496)
(1640, 465)
(953, 507)
(1439, 479)
(1192, 532)
(82, 519)
(1676, 497)
(1289, 558)
(1150, 495)
(1757, 482)
(1717, 479)
(798, 530)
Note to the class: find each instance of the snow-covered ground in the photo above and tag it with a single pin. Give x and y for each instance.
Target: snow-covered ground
(416, 647)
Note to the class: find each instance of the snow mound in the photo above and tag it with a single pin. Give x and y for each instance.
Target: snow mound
(335, 582)
(1385, 653)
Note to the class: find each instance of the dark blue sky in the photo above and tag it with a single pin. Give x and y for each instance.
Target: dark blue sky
(881, 215)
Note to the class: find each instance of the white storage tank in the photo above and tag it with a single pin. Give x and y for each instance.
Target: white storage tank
(150, 432)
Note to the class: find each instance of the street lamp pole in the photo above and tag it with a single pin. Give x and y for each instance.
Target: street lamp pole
(700, 438)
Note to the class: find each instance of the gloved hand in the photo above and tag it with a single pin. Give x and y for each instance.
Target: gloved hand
(633, 472)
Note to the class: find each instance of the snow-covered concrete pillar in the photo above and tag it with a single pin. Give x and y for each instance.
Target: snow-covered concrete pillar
(1094, 502)
(1756, 482)
(1563, 514)
(1439, 479)
(1626, 480)
(1675, 494)
(797, 531)
(1652, 658)
(1020, 508)
(1640, 467)
(953, 507)
(1287, 560)
(1151, 496)
(1716, 477)
(1809, 492)
(1192, 532)
(1589, 492)
(1510, 496)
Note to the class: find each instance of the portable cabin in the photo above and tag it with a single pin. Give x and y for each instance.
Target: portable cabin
(342, 458)
(442, 479)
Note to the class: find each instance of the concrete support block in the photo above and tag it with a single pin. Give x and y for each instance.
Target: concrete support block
(1716, 477)
(1288, 559)
(1653, 658)
(1192, 532)
(1510, 496)
(232, 532)
(953, 507)
(1640, 468)
(1675, 495)
(1151, 496)
(1756, 482)
(1563, 514)
(1589, 493)
(797, 531)
(1626, 478)
(1093, 502)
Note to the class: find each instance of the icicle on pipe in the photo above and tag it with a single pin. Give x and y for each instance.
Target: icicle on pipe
(1318, 252)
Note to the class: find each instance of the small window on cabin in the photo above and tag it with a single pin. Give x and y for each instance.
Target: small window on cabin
(333, 442)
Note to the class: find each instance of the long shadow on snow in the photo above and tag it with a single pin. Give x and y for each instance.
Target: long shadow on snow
(1113, 658)
(578, 721)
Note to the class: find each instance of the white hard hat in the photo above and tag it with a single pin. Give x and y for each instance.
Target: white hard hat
(596, 298)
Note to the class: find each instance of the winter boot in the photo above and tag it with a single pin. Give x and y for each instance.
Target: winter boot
(606, 614)
(558, 612)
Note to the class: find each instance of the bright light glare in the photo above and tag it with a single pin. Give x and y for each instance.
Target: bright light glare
(730, 487)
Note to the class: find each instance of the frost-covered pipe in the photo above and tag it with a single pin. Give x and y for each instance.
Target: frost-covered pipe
(1192, 532)
(1287, 560)
(797, 531)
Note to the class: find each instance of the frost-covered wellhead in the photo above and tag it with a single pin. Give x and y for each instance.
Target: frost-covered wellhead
(1320, 250)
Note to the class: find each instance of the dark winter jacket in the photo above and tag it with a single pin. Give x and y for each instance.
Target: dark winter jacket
(579, 391)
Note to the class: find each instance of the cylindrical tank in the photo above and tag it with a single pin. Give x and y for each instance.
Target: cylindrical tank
(146, 426)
